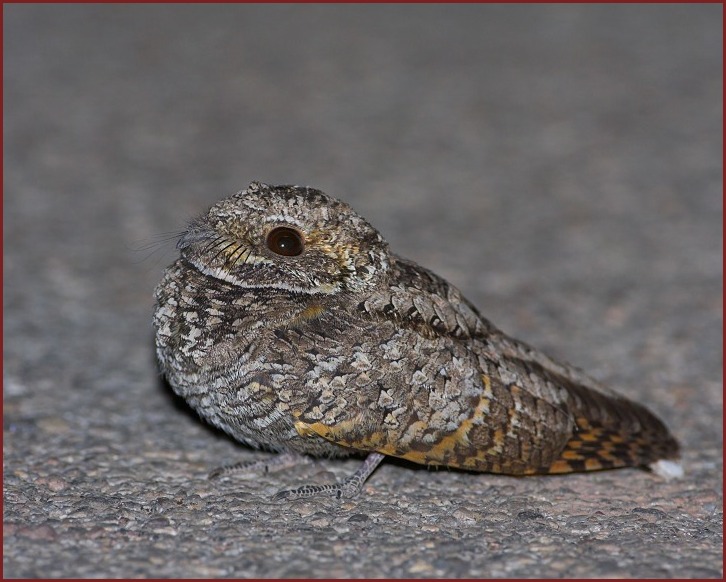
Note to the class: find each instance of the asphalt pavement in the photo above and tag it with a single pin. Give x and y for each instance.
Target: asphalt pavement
(561, 164)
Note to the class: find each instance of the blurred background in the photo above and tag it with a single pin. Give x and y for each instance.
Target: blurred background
(561, 164)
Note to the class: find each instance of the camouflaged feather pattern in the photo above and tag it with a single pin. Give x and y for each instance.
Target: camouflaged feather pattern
(347, 348)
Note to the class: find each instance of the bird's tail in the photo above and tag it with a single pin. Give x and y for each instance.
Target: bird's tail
(611, 432)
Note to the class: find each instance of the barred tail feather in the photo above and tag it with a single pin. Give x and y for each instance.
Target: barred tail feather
(611, 432)
(594, 447)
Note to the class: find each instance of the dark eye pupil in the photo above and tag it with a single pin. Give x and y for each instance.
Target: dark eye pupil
(285, 241)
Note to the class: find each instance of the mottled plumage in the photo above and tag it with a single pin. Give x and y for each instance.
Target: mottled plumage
(288, 323)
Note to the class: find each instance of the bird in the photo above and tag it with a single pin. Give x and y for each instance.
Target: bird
(289, 323)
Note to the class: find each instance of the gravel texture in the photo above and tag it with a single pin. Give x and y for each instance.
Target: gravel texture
(560, 163)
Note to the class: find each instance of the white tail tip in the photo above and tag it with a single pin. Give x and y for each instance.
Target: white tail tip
(667, 469)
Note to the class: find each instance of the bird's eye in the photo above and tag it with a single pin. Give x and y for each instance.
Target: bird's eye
(285, 241)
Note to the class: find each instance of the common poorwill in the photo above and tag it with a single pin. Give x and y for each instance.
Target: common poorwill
(288, 323)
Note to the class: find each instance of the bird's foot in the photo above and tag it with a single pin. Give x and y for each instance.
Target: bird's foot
(266, 465)
(346, 489)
